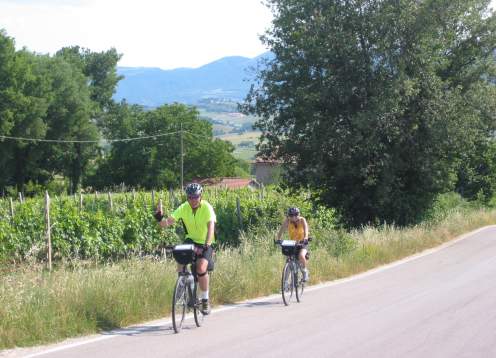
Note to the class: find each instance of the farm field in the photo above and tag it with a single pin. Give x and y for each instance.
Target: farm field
(244, 143)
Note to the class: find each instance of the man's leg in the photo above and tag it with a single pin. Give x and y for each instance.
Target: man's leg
(201, 270)
(203, 281)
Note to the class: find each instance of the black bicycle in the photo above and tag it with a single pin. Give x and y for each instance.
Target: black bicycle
(292, 282)
(185, 298)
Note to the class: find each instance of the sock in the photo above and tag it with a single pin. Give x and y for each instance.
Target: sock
(204, 295)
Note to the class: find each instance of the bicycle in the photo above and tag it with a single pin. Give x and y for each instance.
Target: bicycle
(185, 298)
(292, 273)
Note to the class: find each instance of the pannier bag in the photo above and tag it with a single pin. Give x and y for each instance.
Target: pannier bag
(288, 247)
(184, 254)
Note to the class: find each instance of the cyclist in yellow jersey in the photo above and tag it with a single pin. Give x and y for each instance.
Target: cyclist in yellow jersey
(298, 231)
(199, 220)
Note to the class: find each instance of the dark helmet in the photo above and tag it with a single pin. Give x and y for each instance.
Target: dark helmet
(294, 211)
(194, 189)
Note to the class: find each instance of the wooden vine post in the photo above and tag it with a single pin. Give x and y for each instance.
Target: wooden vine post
(48, 230)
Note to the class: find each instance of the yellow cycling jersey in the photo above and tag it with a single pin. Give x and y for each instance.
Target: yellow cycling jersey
(196, 223)
(296, 230)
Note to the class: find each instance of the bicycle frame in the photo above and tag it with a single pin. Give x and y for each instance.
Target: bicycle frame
(185, 295)
(291, 280)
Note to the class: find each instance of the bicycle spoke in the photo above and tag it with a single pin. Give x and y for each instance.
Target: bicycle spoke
(287, 285)
(179, 304)
(198, 315)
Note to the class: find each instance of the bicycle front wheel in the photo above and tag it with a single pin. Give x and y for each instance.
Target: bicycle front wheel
(179, 304)
(196, 311)
(287, 284)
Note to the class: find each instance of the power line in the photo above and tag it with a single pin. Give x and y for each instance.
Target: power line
(87, 141)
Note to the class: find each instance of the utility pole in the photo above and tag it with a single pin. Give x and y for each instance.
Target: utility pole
(182, 158)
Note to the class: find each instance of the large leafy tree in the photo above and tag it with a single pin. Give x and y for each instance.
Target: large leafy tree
(59, 98)
(69, 119)
(100, 69)
(371, 102)
(24, 101)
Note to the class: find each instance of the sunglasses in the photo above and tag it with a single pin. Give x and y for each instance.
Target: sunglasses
(193, 197)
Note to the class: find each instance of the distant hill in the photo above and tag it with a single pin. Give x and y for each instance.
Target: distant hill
(228, 79)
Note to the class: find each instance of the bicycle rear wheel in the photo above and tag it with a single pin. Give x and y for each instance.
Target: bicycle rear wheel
(287, 283)
(299, 283)
(199, 316)
(179, 304)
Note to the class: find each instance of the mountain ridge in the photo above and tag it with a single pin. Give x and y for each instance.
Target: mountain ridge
(227, 78)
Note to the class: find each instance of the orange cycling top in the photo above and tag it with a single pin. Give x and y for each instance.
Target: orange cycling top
(296, 230)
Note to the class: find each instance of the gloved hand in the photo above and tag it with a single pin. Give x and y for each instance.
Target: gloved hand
(158, 215)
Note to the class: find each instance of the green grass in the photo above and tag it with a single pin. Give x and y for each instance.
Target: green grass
(78, 298)
(238, 138)
(243, 152)
(229, 118)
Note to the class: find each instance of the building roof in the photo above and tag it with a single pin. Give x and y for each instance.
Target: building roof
(260, 161)
(227, 182)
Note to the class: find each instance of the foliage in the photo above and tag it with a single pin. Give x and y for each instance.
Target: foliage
(129, 229)
(477, 172)
(58, 97)
(374, 103)
(82, 297)
(156, 162)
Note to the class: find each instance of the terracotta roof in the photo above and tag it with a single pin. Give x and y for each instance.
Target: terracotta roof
(231, 183)
(267, 161)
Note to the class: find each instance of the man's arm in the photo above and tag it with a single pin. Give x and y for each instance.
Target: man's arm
(167, 222)
(210, 232)
(171, 220)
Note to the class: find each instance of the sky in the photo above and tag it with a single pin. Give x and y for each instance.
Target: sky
(148, 33)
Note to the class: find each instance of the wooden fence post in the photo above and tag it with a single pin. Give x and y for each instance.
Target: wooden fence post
(20, 197)
(95, 202)
(48, 230)
(80, 200)
(11, 208)
(153, 199)
(111, 204)
(172, 198)
(134, 195)
(238, 212)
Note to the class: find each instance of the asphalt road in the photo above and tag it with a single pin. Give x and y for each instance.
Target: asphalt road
(440, 304)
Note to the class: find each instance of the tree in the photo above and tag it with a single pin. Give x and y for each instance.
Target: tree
(156, 162)
(371, 102)
(100, 68)
(23, 105)
(68, 118)
(60, 98)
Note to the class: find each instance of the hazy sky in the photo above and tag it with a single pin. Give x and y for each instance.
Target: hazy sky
(151, 33)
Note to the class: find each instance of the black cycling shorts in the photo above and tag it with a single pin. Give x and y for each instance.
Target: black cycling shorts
(207, 254)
